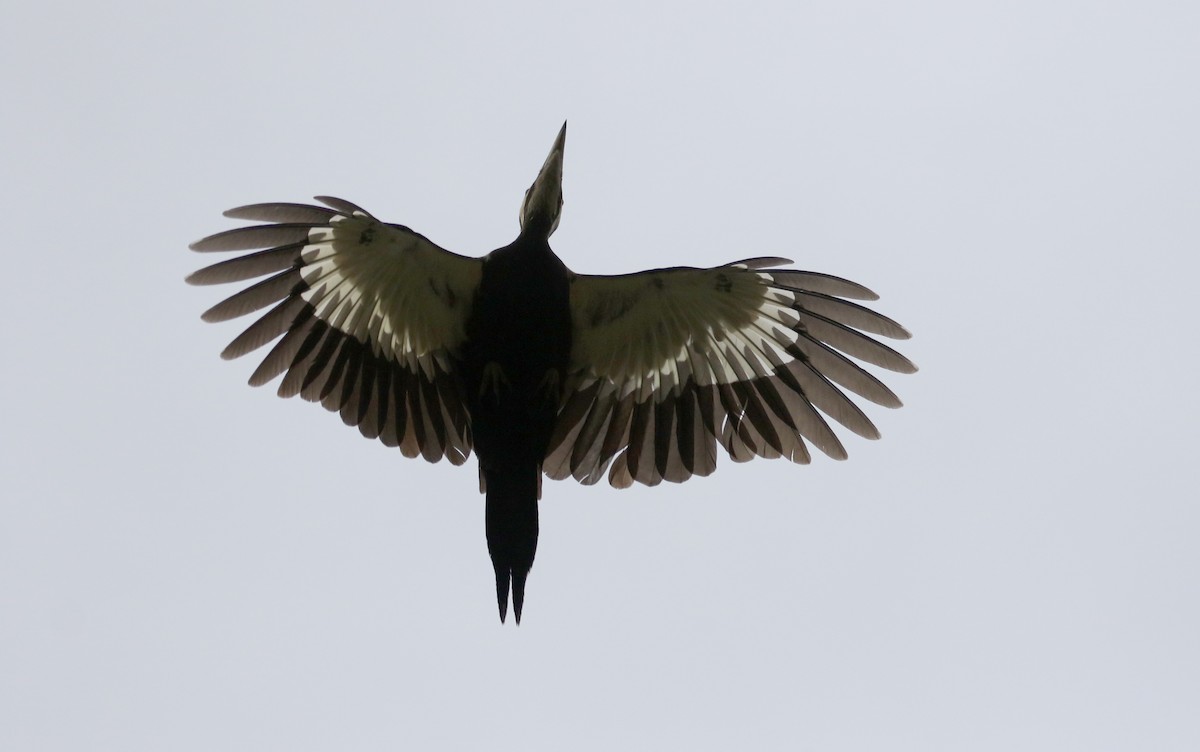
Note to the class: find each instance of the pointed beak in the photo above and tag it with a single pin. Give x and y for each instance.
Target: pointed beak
(543, 200)
(551, 173)
(556, 151)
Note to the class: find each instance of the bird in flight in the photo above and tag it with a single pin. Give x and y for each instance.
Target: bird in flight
(541, 370)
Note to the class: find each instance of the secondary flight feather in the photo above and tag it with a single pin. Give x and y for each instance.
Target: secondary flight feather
(642, 377)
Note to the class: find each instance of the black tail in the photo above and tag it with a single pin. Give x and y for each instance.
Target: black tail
(512, 530)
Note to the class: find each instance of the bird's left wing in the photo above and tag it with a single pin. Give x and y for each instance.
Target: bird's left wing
(372, 316)
(669, 363)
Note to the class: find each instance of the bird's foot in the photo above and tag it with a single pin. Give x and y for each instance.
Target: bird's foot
(551, 387)
(493, 380)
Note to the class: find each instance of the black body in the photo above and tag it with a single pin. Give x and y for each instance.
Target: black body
(514, 367)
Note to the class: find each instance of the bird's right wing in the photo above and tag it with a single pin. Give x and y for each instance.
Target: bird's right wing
(372, 317)
(670, 363)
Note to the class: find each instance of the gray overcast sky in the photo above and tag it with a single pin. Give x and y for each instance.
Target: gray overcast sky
(190, 564)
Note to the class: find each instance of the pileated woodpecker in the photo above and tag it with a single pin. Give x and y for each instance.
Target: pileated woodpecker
(539, 369)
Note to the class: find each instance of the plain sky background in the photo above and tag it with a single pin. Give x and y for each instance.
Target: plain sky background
(190, 564)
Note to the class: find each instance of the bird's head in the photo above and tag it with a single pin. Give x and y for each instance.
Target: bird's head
(542, 204)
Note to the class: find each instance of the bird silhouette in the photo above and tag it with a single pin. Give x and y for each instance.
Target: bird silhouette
(540, 370)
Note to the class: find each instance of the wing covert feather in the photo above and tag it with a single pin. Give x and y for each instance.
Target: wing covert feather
(372, 318)
(667, 364)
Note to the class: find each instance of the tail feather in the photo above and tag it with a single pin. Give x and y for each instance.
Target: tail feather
(502, 579)
(512, 530)
(518, 594)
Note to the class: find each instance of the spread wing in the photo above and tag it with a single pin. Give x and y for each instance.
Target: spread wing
(669, 363)
(371, 316)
